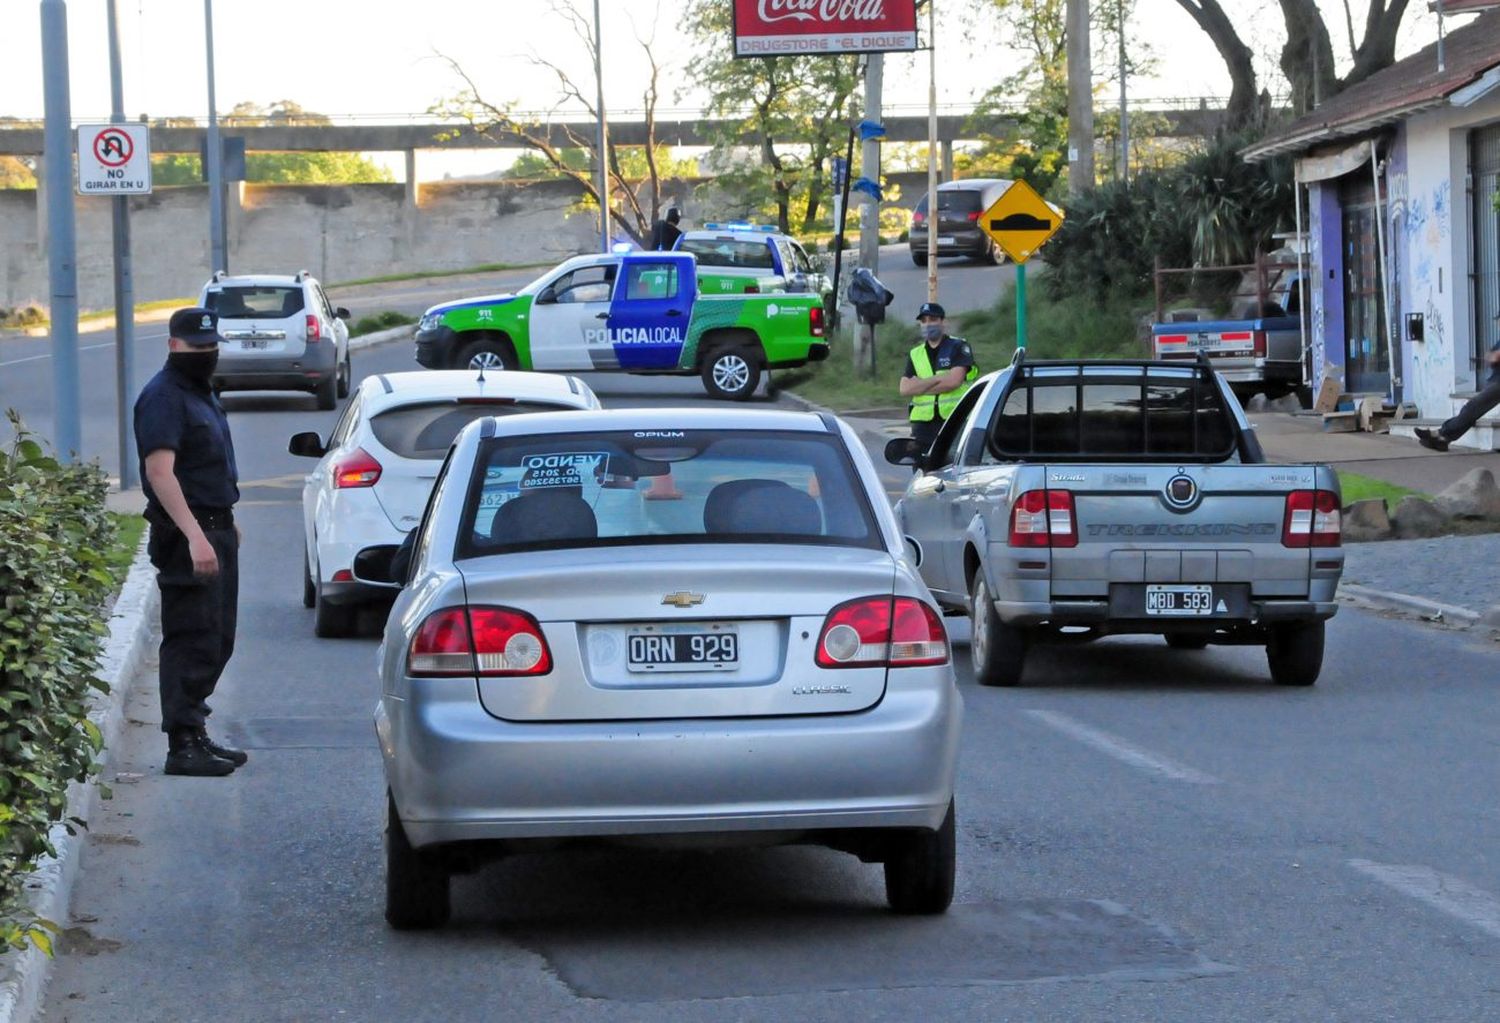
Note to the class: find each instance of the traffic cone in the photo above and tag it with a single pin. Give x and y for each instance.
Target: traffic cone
(663, 489)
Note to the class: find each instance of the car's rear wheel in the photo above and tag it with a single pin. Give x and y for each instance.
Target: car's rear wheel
(327, 393)
(309, 588)
(330, 621)
(416, 883)
(1186, 641)
(732, 373)
(998, 650)
(920, 868)
(486, 353)
(1295, 653)
(919, 258)
(346, 376)
(991, 255)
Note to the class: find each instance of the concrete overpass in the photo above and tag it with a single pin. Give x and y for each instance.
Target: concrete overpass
(1184, 122)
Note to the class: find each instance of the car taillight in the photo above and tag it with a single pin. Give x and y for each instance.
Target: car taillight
(1313, 519)
(897, 632)
(314, 331)
(974, 216)
(918, 217)
(357, 469)
(1044, 518)
(488, 642)
(815, 321)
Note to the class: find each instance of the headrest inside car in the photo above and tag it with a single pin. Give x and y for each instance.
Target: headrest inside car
(543, 516)
(761, 506)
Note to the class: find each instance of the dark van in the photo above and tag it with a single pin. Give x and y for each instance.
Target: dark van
(960, 204)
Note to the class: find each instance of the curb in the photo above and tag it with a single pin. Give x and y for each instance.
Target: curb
(1429, 610)
(380, 337)
(23, 975)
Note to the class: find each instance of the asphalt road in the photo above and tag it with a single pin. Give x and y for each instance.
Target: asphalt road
(26, 363)
(1144, 834)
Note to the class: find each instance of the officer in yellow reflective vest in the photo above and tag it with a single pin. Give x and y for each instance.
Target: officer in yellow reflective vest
(938, 372)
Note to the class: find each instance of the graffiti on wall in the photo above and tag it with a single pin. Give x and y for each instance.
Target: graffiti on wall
(1428, 226)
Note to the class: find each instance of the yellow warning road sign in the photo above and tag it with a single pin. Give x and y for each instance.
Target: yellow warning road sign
(1020, 221)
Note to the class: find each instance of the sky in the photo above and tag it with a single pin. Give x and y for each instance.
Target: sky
(378, 60)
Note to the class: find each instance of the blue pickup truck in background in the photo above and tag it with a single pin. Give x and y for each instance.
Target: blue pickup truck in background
(1259, 347)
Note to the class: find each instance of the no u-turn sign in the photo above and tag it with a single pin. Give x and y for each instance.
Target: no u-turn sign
(114, 159)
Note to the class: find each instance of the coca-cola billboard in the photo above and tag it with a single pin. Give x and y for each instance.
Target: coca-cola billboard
(787, 28)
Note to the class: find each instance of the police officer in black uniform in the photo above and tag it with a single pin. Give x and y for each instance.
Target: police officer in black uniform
(191, 484)
(938, 372)
(664, 233)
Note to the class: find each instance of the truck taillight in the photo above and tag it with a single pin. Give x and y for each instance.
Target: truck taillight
(1260, 344)
(815, 321)
(1044, 518)
(356, 469)
(1313, 519)
(314, 331)
(898, 632)
(488, 642)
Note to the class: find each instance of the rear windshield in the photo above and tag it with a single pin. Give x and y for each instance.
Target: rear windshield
(729, 252)
(238, 302)
(425, 431)
(1112, 413)
(960, 200)
(664, 487)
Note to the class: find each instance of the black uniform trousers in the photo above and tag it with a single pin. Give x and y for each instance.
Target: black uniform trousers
(198, 619)
(1473, 411)
(925, 431)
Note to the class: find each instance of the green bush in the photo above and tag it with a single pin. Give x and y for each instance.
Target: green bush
(55, 538)
(21, 317)
(380, 321)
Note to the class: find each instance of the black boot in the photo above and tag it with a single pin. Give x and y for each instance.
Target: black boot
(1433, 439)
(237, 757)
(188, 755)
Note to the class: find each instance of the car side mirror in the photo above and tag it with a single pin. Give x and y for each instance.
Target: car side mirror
(341, 312)
(399, 567)
(546, 296)
(904, 451)
(308, 445)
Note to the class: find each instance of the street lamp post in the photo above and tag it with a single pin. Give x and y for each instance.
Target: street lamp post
(62, 243)
(932, 175)
(603, 134)
(218, 255)
(124, 286)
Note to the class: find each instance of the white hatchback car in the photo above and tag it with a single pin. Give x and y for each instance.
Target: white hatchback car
(663, 626)
(374, 474)
(280, 334)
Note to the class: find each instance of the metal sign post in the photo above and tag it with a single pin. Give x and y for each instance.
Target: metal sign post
(124, 286)
(1020, 221)
(62, 242)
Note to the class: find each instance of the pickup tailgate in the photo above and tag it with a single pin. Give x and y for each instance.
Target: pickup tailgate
(1223, 339)
(1218, 533)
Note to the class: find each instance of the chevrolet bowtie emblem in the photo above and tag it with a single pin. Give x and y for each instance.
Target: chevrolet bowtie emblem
(682, 598)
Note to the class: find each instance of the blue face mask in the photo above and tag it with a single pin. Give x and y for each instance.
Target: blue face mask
(932, 331)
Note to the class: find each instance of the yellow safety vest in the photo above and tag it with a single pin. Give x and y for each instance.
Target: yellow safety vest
(924, 407)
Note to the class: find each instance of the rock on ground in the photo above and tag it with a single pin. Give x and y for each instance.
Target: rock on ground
(1418, 517)
(1367, 520)
(1473, 496)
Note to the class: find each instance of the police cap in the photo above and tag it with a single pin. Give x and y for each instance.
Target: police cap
(196, 326)
(931, 309)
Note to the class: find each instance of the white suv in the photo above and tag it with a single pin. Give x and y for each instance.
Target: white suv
(280, 333)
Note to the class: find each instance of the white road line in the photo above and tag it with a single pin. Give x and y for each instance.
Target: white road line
(84, 348)
(1123, 751)
(1444, 892)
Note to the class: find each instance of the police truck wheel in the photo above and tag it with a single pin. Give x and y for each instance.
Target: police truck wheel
(327, 393)
(486, 354)
(919, 869)
(416, 882)
(1295, 654)
(732, 374)
(998, 650)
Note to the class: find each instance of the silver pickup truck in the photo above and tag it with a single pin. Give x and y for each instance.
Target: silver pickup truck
(1081, 499)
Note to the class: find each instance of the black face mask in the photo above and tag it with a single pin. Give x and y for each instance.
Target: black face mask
(197, 366)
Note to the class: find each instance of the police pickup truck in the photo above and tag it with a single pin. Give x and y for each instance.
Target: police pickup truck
(1067, 501)
(739, 258)
(635, 312)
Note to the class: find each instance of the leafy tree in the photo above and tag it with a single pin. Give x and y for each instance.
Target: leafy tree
(276, 168)
(16, 173)
(634, 213)
(793, 110)
(1307, 58)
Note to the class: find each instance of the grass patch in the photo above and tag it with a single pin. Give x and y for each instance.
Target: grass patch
(483, 268)
(128, 532)
(1361, 488)
(380, 321)
(1055, 330)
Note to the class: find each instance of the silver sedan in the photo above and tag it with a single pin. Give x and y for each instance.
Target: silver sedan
(674, 625)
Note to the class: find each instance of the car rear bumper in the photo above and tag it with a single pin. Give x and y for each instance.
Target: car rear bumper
(254, 373)
(460, 775)
(965, 242)
(1096, 614)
